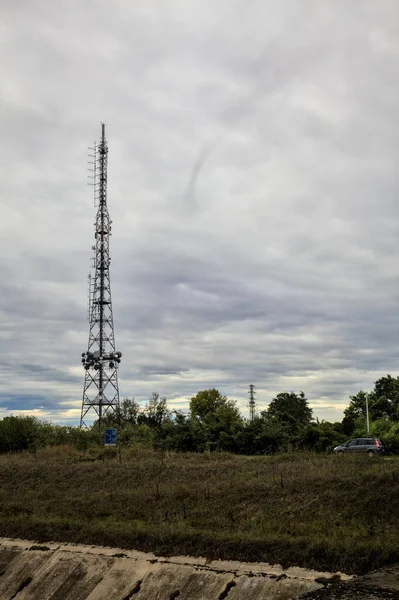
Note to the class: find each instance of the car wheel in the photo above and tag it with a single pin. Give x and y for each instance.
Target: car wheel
(340, 451)
(370, 453)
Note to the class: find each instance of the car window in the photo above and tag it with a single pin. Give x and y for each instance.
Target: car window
(362, 442)
(352, 443)
(370, 442)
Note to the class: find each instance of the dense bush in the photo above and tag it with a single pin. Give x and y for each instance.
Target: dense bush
(29, 433)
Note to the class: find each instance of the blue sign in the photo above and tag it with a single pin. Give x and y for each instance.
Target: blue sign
(110, 437)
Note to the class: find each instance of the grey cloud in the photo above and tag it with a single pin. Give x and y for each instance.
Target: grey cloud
(252, 184)
(26, 402)
(45, 373)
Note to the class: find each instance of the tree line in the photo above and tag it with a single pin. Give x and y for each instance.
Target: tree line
(214, 423)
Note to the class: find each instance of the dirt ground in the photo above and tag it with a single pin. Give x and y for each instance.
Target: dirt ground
(379, 585)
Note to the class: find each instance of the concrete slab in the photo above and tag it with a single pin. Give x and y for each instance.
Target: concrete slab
(185, 560)
(107, 551)
(260, 569)
(80, 584)
(224, 565)
(137, 555)
(21, 544)
(47, 545)
(26, 544)
(267, 588)
(203, 585)
(68, 572)
(65, 576)
(21, 570)
(310, 574)
(82, 548)
(161, 581)
(164, 581)
(6, 556)
(121, 580)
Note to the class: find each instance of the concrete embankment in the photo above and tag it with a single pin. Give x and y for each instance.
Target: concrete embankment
(29, 571)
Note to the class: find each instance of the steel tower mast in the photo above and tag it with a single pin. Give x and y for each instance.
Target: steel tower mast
(100, 390)
(252, 403)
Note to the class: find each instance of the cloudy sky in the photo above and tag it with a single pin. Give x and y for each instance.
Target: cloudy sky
(253, 187)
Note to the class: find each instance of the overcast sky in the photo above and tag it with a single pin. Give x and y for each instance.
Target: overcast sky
(253, 188)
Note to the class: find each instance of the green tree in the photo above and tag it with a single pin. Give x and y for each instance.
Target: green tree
(155, 412)
(206, 402)
(219, 418)
(386, 403)
(183, 434)
(383, 402)
(129, 411)
(20, 433)
(290, 409)
(321, 437)
(262, 436)
(357, 406)
(390, 439)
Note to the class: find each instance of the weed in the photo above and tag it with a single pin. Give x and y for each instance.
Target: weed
(320, 512)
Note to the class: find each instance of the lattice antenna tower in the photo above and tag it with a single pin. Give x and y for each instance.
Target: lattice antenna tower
(101, 361)
(251, 402)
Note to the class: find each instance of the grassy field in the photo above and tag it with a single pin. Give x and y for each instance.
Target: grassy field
(322, 512)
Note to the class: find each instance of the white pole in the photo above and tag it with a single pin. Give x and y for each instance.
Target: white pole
(367, 413)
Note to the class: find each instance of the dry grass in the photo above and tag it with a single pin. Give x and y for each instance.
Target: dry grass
(322, 512)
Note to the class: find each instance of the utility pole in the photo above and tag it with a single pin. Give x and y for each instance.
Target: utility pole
(252, 403)
(367, 413)
(100, 390)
